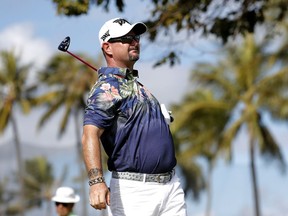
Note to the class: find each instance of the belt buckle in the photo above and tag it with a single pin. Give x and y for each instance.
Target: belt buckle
(159, 178)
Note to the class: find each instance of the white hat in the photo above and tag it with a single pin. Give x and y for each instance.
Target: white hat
(118, 27)
(65, 195)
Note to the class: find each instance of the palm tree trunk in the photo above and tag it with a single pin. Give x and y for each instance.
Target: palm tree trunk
(254, 177)
(48, 207)
(20, 165)
(81, 166)
(209, 189)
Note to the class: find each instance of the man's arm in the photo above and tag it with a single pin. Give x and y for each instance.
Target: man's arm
(99, 194)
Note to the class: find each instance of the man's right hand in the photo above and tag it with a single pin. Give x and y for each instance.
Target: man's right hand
(99, 196)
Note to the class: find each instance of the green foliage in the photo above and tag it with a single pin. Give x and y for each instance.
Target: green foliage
(199, 121)
(220, 18)
(223, 19)
(79, 7)
(14, 91)
(250, 81)
(69, 82)
(242, 80)
(13, 87)
(4, 196)
(38, 181)
(38, 187)
(194, 179)
(171, 58)
(12, 210)
(199, 112)
(70, 8)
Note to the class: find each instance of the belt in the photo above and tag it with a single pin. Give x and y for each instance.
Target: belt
(159, 178)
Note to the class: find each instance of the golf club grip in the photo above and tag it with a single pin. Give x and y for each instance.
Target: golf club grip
(82, 60)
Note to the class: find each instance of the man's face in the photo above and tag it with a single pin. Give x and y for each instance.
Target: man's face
(126, 49)
(63, 209)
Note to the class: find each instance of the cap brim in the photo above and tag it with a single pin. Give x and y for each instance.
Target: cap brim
(139, 28)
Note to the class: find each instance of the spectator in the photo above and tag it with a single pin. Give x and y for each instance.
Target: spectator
(64, 199)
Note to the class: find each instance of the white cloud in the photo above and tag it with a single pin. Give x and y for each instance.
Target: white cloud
(22, 39)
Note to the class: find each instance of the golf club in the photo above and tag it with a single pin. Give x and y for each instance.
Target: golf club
(64, 45)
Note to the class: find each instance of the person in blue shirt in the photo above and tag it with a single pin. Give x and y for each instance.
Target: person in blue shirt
(123, 116)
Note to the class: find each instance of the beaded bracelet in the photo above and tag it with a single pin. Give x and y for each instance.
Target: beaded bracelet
(97, 180)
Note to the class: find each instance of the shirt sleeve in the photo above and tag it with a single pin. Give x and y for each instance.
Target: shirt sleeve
(100, 109)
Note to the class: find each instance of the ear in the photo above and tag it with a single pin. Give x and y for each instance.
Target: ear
(107, 48)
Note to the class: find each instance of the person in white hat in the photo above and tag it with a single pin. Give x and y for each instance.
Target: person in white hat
(123, 116)
(64, 199)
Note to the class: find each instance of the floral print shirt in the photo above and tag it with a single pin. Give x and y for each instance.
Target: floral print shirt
(136, 136)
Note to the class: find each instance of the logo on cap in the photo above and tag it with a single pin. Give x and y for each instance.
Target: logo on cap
(107, 34)
(121, 21)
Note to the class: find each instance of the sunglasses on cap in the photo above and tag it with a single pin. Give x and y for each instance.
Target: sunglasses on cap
(125, 39)
(63, 204)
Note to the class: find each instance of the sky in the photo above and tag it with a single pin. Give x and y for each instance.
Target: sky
(33, 30)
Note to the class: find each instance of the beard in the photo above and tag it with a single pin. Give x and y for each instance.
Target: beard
(134, 54)
(133, 57)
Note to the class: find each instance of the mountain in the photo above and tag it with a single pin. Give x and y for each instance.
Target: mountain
(58, 157)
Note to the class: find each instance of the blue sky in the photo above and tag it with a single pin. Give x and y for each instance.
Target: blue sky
(32, 28)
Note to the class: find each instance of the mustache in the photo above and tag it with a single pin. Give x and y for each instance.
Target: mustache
(134, 48)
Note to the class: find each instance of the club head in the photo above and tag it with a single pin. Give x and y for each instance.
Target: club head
(64, 45)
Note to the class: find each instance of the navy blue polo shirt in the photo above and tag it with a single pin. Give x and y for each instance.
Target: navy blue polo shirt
(136, 136)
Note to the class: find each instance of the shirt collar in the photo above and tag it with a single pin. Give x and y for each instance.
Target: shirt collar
(123, 72)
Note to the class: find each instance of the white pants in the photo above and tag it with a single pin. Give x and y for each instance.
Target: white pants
(130, 198)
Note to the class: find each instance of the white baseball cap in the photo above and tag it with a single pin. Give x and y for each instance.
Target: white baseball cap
(118, 27)
(65, 195)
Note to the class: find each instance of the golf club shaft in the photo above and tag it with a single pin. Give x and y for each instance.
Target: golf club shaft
(82, 60)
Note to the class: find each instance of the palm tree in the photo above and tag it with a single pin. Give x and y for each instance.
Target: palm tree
(69, 82)
(14, 91)
(249, 83)
(38, 181)
(4, 196)
(200, 118)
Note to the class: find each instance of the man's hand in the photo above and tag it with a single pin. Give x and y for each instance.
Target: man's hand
(99, 196)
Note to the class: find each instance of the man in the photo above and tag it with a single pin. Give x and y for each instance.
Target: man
(64, 199)
(126, 118)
